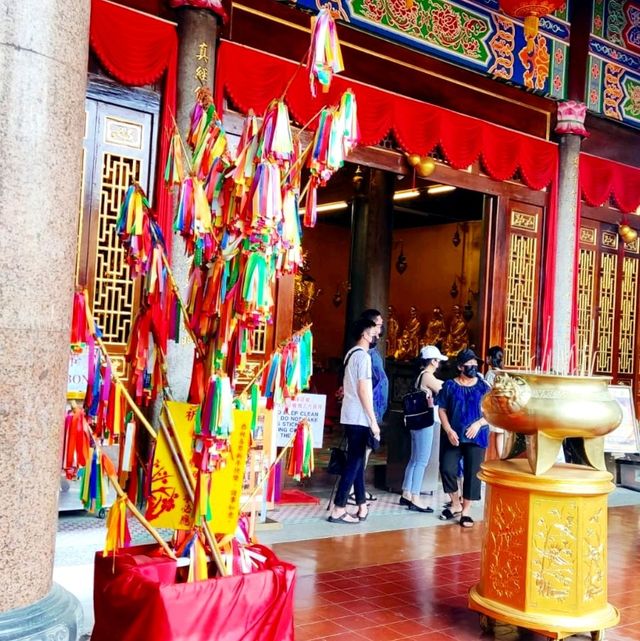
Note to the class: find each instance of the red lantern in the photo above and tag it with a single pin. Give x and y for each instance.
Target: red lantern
(530, 11)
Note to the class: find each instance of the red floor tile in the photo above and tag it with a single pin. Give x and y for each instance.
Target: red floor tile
(410, 628)
(420, 599)
(318, 630)
(384, 617)
(381, 633)
(337, 596)
(355, 622)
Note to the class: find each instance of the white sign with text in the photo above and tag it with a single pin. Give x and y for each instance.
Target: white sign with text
(309, 406)
(78, 373)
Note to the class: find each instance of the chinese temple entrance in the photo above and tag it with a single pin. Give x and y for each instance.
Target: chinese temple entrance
(465, 269)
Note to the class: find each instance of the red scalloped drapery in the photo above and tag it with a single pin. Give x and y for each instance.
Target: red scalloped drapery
(602, 179)
(252, 78)
(137, 49)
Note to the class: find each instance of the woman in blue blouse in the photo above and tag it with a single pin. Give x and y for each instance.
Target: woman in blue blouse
(467, 436)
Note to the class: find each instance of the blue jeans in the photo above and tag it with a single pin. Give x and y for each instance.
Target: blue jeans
(421, 441)
(357, 436)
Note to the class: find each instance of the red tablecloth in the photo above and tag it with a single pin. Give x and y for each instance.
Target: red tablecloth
(136, 599)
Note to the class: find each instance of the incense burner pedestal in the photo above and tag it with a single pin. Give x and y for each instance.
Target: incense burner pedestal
(544, 554)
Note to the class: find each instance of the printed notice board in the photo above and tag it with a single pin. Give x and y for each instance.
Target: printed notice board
(286, 419)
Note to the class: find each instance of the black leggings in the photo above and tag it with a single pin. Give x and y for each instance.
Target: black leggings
(472, 456)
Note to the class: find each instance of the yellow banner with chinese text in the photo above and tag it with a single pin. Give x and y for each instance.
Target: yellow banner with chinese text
(226, 483)
(168, 505)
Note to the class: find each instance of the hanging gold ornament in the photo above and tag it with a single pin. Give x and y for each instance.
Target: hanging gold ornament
(425, 167)
(627, 234)
(413, 159)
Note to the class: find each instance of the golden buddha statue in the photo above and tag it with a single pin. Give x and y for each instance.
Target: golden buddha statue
(458, 336)
(413, 328)
(403, 351)
(392, 332)
(305, 294)
(436, 329)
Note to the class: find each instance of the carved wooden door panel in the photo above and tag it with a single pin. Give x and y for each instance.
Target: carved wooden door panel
(608, 301)
(515, 277)
(118, 149)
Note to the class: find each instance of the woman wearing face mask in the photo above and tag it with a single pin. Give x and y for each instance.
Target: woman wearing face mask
(465, 436)
(422, 440)
(359, 421)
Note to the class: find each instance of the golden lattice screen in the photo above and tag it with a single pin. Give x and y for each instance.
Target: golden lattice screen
(521, 294)
(608, 299)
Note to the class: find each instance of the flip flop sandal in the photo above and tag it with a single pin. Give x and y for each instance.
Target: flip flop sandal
(466, 521)
(363, 518)
(447, 515)
(343, 519)
(370, 497)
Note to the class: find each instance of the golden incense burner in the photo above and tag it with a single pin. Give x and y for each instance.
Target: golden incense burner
(548, 408)
(544, 551)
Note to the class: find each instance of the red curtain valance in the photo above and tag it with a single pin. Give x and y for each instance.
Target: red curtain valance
(137, 49)
(601, 179)
(252, 78)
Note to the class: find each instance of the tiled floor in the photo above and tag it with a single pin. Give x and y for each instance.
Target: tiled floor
(413, 584)
(405, 583)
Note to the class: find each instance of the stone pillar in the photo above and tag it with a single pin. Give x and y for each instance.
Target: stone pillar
(571, 129)
(43, 57)
(371, 241)
(197, 31)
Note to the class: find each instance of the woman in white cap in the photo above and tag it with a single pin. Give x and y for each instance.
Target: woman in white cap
(422, 439)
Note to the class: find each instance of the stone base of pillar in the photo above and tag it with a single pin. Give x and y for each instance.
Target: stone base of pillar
(57, 617)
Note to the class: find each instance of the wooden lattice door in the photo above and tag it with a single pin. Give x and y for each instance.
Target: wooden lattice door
(515, 279)
(119, 148)
(608, 301)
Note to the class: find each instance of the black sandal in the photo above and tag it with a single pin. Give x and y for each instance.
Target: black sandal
(343, 519)
(368, 497)
(466, 521)
(448, 515)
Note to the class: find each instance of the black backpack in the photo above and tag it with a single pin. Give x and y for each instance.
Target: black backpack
(417, 409)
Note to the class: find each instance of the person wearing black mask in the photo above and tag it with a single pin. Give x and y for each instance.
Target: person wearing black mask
(379, 381)
(466, 435)
(379, 378)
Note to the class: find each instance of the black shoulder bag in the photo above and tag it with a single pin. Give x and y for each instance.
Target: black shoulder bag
(417, 409)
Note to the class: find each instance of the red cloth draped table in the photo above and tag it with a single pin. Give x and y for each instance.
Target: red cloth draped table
(136, 598)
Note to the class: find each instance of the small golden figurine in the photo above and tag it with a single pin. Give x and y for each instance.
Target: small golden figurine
(436, 329)
(403, 351)
(392, 332)
(306, 293)
(458, 336)
(414, 327)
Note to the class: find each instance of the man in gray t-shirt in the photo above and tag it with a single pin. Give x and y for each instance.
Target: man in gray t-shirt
(359, 421)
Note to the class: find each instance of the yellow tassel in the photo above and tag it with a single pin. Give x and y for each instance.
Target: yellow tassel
(116, 524)
(531, 25)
